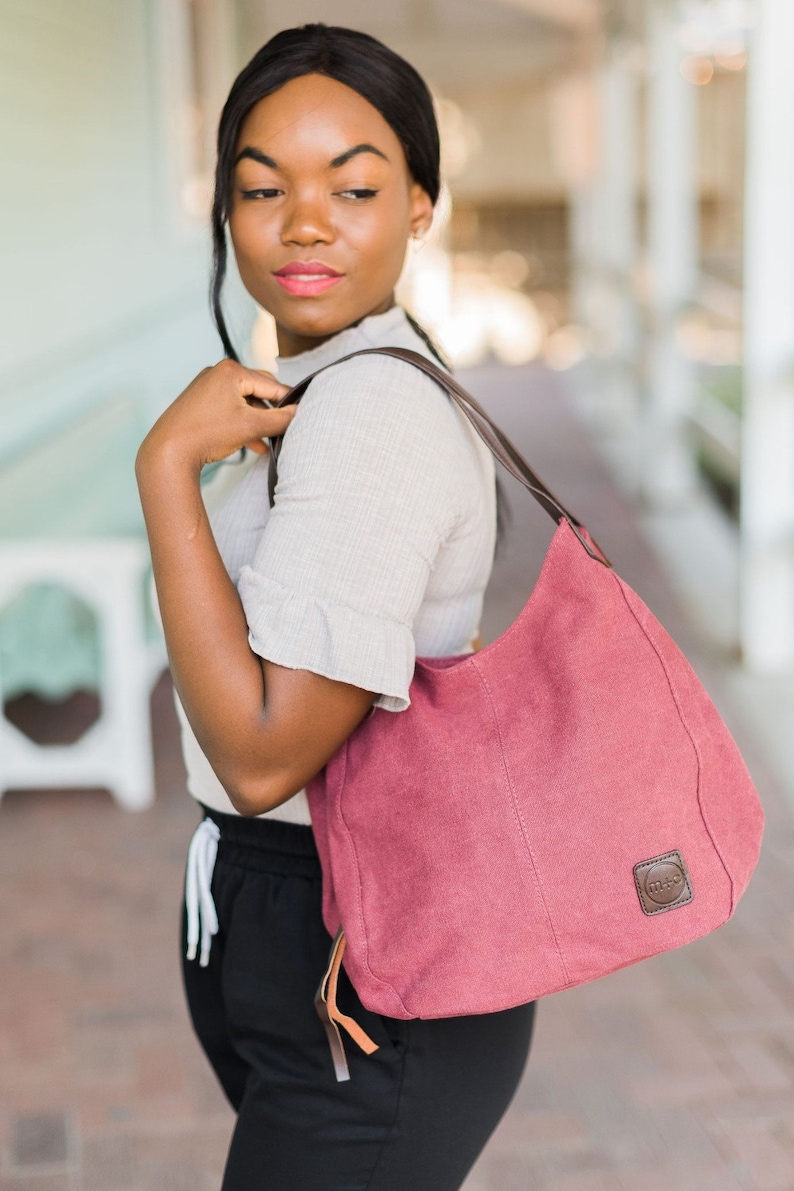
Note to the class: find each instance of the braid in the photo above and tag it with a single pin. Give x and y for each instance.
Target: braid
(216, 286)
(428, 341)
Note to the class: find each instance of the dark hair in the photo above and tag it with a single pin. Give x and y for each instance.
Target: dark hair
(359, 61)
(376, 73)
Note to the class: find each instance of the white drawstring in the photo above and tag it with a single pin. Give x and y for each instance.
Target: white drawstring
(201, 912)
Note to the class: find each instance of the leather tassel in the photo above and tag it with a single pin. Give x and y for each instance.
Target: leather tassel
(332, 1017)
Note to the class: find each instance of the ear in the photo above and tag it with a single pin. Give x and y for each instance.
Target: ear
(421, 210)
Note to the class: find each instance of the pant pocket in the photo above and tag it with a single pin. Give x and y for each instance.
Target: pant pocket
(388, 1032)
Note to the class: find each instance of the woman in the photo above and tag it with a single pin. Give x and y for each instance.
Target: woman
(285, 628)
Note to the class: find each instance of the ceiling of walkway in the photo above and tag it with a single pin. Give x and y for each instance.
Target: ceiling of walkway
(456, 44)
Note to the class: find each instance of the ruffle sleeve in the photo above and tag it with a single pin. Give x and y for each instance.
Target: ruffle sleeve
(364, 502)
(306, 632)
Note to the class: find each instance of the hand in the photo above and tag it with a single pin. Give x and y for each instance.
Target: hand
(220, 411)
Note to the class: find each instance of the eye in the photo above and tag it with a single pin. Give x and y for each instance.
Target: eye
(263, 193)
(358, 193)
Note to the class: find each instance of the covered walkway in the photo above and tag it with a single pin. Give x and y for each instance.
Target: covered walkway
(679, 1072)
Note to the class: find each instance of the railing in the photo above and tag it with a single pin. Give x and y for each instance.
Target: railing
(715, 418)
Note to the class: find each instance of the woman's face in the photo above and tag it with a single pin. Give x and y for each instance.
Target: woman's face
(323, 205)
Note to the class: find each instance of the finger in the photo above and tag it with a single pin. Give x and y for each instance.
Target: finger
(257, 446)
(267, 423)
(260, 384)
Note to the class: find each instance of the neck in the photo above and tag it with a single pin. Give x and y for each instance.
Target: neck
(294, 343)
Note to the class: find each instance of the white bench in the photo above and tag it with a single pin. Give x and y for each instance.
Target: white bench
(69, 517)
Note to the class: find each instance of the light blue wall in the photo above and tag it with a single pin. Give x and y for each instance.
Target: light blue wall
(101, 288)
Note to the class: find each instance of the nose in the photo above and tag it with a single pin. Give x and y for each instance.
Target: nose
(307, 221)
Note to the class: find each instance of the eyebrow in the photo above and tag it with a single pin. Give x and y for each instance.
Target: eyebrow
(343, 158)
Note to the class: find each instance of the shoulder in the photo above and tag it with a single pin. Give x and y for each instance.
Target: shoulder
(373, 398)
(376, 431)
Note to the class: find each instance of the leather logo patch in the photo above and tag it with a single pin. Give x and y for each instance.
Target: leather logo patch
(662, 883)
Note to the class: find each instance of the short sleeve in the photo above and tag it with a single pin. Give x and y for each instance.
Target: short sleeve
(364, 502)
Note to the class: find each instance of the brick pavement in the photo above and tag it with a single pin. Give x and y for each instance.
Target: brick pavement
(676, 1073)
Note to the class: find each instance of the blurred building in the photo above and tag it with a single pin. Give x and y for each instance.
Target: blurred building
(620, 203)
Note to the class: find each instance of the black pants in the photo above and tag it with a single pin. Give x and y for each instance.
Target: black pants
(414, 1115)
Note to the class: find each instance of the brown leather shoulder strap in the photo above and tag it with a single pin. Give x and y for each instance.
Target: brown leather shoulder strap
(494, 438)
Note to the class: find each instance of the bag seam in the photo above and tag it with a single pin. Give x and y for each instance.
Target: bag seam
(522, 825)
(359, 893)
(692, 741)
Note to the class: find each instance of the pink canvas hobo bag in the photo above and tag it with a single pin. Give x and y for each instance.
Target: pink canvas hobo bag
(560, 804)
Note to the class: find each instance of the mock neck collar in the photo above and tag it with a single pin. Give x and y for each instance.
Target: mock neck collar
(376, 330)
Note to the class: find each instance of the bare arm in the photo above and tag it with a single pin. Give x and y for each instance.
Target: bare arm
(265, 729)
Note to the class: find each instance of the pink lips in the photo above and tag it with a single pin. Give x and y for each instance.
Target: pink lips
(307, 278)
